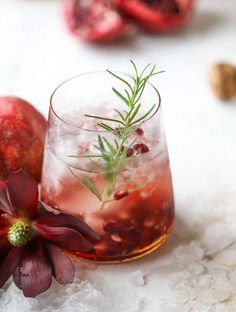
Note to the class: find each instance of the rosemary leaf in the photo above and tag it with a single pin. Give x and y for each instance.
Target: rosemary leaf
(106, 127)
(116, 143)
(92, 187)
(134, 113)
(111, 148)
(127, 93)
(87, 184)
(85, 156)
(121, 79)
(120, 114)
(121, 96)
(145, 68)
(105, 118)
(101, 145)
(144, 116)
(135, 69)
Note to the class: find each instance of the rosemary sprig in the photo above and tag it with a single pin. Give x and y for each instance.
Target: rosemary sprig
(131, 97)
(87, 184)
(114, 154)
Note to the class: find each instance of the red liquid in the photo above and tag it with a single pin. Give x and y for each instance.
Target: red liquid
(129, 227)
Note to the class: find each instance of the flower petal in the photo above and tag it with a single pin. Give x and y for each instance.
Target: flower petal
(4, 246)
(22, 192)
(16, 277)
(66, 220)
(2, 185)
(34, 274)
(9, 264)
(5, 223)
(63, 267)
(65, 238)
(5, 206)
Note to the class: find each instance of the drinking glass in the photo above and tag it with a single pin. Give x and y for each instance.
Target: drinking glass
(131, 207)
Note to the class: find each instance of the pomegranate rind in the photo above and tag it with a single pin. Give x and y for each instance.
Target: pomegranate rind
(22, 136)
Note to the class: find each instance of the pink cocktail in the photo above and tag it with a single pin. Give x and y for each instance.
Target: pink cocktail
(123, 191)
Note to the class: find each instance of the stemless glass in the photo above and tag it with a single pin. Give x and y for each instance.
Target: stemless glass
(132, 208)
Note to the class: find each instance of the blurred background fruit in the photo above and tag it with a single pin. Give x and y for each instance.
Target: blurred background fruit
(96, 20)
(108, 20)
(158, 15)
(22, 134)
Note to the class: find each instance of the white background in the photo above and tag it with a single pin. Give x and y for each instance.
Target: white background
(37, 53)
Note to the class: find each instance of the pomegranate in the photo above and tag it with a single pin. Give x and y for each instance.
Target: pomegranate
(158, 15)
(120, 194)
(22, 134)
(129, 151)
(140, 148)
(139, 131)
(95, 20)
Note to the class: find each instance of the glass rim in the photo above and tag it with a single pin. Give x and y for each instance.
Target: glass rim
(52, 108)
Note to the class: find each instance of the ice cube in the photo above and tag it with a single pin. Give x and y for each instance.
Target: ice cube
(137, 278)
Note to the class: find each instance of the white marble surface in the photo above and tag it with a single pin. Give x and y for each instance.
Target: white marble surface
(196, 269)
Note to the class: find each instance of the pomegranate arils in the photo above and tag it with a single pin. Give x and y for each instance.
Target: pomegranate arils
(139, 131)
(140, 148)
(120, 194)
(130, 151)
(111, 227)
(167, 6)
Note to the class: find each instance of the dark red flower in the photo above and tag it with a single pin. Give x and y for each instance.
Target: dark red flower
(32, 239)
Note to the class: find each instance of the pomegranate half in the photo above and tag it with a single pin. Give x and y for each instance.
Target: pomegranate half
(95, 20)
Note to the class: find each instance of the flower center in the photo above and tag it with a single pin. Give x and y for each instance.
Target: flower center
(20, 233)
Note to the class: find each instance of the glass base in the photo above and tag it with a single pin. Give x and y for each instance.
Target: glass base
(129, 257)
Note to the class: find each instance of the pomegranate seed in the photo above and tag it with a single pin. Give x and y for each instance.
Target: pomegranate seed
(139, 131)
(111, 227)
(120, 194)
(116, 238)
(169, 6)
(130, 151)
(140, 148)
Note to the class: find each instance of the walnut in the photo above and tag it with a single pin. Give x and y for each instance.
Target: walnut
(223, 80)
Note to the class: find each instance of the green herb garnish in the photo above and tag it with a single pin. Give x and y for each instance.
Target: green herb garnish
(115, 153)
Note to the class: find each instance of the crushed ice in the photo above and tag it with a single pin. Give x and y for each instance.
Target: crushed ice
(204, 274)
(198, 276)
(81, 296)
(137, 278)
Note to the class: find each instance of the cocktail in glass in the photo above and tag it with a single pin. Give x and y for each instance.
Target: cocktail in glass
(127, 198)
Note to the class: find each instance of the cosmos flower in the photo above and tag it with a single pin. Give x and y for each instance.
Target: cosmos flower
(32, 239)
